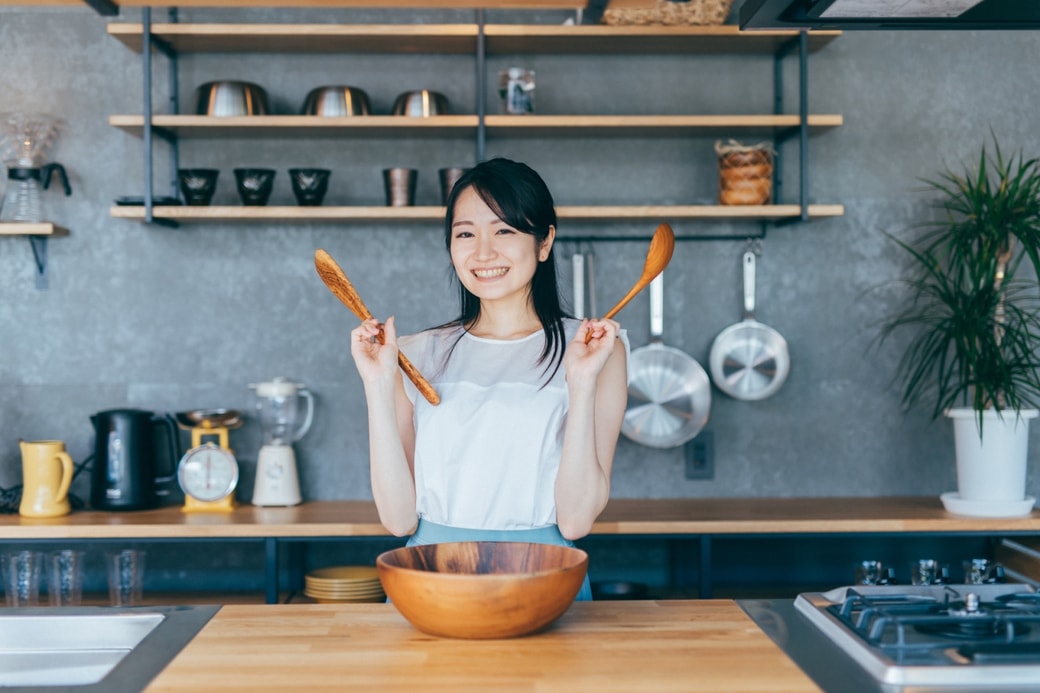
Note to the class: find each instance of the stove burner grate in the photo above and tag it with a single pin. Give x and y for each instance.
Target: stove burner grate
(903, 622)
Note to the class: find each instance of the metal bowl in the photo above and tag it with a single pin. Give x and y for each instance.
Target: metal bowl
(208, 418)
(336, 101)
(230, 98)
(422, 103)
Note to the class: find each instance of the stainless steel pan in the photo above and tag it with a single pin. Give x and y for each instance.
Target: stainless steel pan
(669, 395)
(749, 360)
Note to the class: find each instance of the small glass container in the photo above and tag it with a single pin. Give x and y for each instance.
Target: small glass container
(516, 91)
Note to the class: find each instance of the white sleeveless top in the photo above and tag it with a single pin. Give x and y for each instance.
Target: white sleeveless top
(486, 457)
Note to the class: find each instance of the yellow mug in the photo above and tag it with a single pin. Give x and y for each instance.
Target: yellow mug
(46, 476)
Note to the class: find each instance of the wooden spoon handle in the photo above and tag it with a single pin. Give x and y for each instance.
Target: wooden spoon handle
(336, 279)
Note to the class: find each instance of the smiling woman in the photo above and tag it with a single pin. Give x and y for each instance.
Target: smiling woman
(521, 446)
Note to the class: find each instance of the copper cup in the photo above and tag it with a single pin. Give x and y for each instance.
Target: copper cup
(449, 176)
(399, 184)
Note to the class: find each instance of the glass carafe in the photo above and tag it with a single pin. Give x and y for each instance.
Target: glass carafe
(25, 139)
(22, 198)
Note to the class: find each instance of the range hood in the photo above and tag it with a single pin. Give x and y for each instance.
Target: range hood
(850, 15)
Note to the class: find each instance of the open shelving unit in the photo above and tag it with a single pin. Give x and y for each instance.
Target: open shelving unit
(481, 40)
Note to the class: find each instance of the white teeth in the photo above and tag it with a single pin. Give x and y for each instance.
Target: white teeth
(490, 273)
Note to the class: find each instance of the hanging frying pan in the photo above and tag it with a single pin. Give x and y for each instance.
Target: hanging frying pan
(749, 360)
(669, 395)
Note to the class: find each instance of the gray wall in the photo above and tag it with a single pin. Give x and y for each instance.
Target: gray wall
(172, 319)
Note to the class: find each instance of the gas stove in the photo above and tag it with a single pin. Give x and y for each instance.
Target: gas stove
(971, 637)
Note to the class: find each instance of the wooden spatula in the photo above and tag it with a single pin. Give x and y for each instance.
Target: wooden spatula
(336, 279)
(658, 255)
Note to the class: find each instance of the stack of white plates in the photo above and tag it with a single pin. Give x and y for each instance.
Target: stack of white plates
(344, 583)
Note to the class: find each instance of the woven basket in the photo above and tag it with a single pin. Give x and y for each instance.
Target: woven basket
(671, 12)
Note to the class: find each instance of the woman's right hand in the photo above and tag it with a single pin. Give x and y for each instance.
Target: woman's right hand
(375, 358)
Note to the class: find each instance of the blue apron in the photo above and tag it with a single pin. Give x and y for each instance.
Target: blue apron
(432, 533)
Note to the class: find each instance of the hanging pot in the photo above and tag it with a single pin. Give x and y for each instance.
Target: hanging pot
(749, 360)
(669, 395)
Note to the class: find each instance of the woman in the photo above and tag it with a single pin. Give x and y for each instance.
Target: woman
(521, 446)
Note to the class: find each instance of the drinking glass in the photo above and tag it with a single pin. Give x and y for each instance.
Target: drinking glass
(125, 577)
(21, 571)
(65, 581)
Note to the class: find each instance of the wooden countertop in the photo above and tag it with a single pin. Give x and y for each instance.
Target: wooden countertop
(690, 516)
(707, 646)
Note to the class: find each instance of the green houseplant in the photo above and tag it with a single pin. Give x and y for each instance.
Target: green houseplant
(972, 308)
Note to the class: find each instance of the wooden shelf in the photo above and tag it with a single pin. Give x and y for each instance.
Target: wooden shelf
(327, 4)
(361, 213)
(460, 38)
(298, 126)
(25, 229)
(465, 125)
(595, 125)
(622, 516)
(279, 213)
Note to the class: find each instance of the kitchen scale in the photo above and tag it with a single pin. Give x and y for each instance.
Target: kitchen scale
(208, 472)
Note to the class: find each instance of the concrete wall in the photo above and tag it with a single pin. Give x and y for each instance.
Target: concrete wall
(173, 319)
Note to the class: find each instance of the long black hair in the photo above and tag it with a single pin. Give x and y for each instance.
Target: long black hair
(519, 197)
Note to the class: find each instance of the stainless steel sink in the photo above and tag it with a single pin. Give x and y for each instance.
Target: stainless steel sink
(87, 649)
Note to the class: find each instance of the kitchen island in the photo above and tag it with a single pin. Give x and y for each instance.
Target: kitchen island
(658, 646)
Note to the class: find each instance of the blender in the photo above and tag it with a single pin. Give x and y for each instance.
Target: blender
(26, 139)
(283, 423)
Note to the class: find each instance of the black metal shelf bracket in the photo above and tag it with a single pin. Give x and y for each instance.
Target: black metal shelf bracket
(148, 42)
(799, 44)
(105, 8)
(481, 67)
(686, 238)
(39, 248)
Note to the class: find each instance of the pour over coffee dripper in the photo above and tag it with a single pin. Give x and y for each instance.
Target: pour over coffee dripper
(25, 139)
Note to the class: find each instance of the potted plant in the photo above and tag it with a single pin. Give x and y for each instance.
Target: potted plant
(973, 311)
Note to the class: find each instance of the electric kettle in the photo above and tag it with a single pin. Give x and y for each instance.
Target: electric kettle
(128, 447)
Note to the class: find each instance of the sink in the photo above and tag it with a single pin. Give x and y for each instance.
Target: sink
(87, 649)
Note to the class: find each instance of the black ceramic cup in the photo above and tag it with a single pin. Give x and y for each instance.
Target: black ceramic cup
(254, 185)
(198, 184)
(309, 185)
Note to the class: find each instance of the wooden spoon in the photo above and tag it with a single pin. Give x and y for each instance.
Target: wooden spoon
(658, 255)
(336, 279)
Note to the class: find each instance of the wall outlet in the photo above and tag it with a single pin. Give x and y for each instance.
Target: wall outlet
(700, 457)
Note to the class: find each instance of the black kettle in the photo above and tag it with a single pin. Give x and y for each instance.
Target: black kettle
(128, 447)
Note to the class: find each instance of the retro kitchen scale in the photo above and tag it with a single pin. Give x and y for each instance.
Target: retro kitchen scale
(208, 472)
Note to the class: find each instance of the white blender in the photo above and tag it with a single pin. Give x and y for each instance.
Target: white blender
(277, 404)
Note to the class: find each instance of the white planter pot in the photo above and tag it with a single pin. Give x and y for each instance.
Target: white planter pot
(991, 467)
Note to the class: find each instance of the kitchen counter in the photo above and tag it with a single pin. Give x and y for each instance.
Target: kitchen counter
(622, 516)
(657, 646)
(691, 524)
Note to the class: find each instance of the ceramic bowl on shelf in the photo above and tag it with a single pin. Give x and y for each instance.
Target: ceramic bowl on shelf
(198, 185)
(481, 590)
(230, 98)
(309, 185)
(254, 185)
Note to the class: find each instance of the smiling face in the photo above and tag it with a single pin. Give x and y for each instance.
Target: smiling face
(493, 260)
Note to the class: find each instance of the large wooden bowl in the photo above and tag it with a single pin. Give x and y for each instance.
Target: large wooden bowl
(478, 589)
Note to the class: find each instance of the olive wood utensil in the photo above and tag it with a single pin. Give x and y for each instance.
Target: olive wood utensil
(658, 255)
(336, 279)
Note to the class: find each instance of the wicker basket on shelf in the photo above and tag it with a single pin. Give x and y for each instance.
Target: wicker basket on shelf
(671, 12)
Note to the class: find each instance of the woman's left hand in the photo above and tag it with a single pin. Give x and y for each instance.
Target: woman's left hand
(584, 362)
